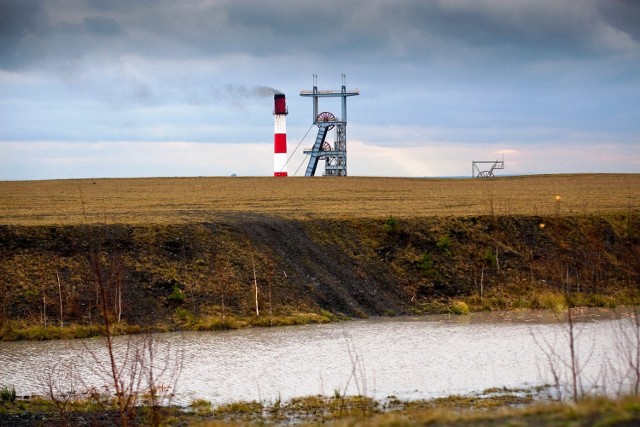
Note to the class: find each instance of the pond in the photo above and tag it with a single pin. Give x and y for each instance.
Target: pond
(410, 358)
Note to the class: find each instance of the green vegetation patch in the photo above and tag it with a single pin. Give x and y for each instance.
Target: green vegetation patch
(7, 394)
(494, 407)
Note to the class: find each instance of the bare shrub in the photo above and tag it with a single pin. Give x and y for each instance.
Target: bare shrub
(161, 373)
(144, 374)
(626, 334)
(566, 359)
(61, 383)
(357, 374)
(132, 370)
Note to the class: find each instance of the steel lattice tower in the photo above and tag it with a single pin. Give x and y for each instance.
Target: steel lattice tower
(335, 157)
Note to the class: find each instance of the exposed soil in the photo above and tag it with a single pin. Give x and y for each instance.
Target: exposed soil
(35, 419)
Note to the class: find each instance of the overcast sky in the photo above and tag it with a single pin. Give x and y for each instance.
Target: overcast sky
(98, 88)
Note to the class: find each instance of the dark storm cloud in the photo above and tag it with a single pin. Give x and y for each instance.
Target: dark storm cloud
(527, 25)
(21, 23)
(364, 30)
(103, 25)
(623, 14)
(19, 17)
(417, 29)
(33, 32)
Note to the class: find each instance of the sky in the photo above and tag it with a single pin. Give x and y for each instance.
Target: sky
(125, 88)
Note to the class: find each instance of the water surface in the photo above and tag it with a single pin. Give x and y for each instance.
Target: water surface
(406, 357)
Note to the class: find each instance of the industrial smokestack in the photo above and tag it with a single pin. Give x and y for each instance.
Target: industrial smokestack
(280, 137)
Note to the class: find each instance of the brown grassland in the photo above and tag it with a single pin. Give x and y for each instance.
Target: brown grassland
(184, 200)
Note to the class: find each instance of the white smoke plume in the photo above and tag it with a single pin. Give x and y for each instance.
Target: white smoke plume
(241, 91)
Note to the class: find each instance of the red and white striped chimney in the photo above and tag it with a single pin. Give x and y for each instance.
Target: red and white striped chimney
(280, 137)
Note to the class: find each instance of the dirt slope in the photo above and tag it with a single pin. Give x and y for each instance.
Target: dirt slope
(158, 274)
(170, 252)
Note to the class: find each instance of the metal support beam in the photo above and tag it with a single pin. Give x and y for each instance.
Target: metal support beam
(315, 153)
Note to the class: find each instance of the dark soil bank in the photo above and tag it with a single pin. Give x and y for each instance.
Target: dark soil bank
(157, 273)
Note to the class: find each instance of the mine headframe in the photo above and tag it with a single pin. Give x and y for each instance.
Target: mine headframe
(335, 156)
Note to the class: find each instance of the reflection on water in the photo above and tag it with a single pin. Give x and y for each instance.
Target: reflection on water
(406, 357)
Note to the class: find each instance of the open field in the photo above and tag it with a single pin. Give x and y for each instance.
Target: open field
(184, 200)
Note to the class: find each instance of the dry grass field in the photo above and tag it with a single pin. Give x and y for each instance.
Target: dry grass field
(181, 200)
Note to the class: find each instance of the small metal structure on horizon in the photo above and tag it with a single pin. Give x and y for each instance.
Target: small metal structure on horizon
(335, 156)
(477, 173)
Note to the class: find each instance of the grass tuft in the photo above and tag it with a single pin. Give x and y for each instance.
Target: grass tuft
(7, 394)
(459, 307)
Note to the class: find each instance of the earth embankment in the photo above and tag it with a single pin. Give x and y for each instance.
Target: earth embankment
(167, 265)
